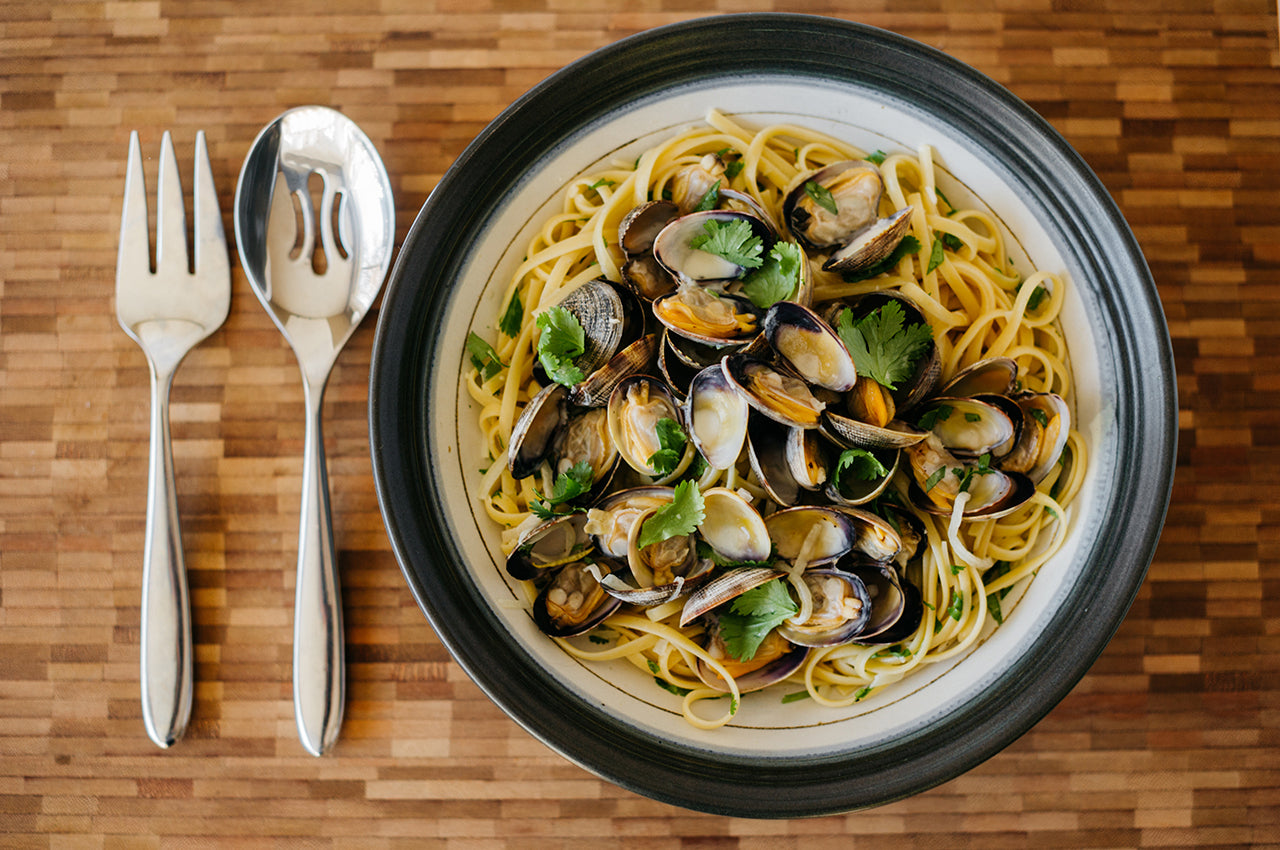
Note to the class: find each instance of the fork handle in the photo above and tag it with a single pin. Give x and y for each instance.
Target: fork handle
(166, 611)
(319, 676)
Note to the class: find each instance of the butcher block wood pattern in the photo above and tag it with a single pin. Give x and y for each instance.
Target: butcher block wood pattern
(1173, 739)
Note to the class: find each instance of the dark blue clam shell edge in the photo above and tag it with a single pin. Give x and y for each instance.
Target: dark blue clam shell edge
(1119, 294)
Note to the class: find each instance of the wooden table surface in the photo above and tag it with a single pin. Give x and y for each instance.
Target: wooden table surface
(1173, 739)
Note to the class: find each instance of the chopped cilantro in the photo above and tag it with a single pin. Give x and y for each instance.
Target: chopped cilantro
(861, 694)
(513, 317)
(706, 552)
(709, 200)
(957, 604)
(779, 277)
(957, 569)
(671, 440)
(1037, 295)
(941, 197)
(972, 417)
(955, 243)
(821, 196)
(1040, 416)
(598, 639)
(568, 485)
(934, 415)
(562, 340)
(908, 245)
(895, 651)
(603, 181)
(732, 240)
(878, 157)
(680, 516)
(733, 169)
(881, 347)
(862, 465)
(933, 479)
(993, 606)
(794, 696)
(966, 473)
(483, 357)
(935, 254)
(752, 615)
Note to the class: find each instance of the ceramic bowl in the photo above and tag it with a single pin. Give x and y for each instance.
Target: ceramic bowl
(878, 91)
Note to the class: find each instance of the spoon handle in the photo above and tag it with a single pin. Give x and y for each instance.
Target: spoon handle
(165, 657)
(319, 674)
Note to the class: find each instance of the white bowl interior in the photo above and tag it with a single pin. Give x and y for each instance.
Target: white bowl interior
(871, 122)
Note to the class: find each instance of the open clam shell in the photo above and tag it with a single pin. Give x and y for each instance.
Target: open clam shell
(809, 346)
(841, 609)
(853, 187)
(573, 602)
(548, 545)
(778, 395)
(535, 429)
(717, 415)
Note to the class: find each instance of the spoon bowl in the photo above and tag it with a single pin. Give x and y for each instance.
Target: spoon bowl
(317, 273)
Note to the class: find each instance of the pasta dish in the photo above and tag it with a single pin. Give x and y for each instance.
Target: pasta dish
(763, 410)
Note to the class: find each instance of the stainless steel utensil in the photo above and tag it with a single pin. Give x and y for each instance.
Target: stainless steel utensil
(168, 313)
(317, 312)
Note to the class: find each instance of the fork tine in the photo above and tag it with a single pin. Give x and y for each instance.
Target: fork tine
(134, 256)
(211, 241)
(171, 214)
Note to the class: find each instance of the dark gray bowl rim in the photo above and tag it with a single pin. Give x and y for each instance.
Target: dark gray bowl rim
(1122, 300)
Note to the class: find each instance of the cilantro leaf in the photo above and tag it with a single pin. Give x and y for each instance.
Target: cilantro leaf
(935, 254)
(731, 240)
(941, 197)
(878, 157)
(513, 317)
(671, 442)
(955, 243)
(776, 280)
(733, 169)
(569, 485)
(483, 357)
(705, 552)
(932, 480)
(709, 200)
(821, 196)
(680, 516)
(932, 416)
(562, 340)
(881, 347)
(908, 245)
(861, 463)
(1040, 416)
(603, 181)
(752, 615)
(794, 696)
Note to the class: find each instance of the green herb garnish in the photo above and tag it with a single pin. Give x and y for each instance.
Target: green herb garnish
(932, 480)
(1040, 416)
(731, 240)
(733, 169)
(603, 181)
(934, 415)
(483, 357)
(935, 255)
(878, 157)
(821, 196)
(776, 280)
(680, 516)
(794, 696)
(941, 197)
(881, 347)
(709, 200)
(752, 615)
(513, 317)
(562, 340)
(568, 485)
(671, 442)
(862, 465)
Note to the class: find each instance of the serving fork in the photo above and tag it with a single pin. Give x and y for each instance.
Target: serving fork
(167, 313)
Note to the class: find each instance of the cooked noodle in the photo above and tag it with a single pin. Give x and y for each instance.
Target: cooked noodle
(978, 305)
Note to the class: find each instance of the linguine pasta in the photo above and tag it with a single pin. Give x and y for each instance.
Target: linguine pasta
(978, 306)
